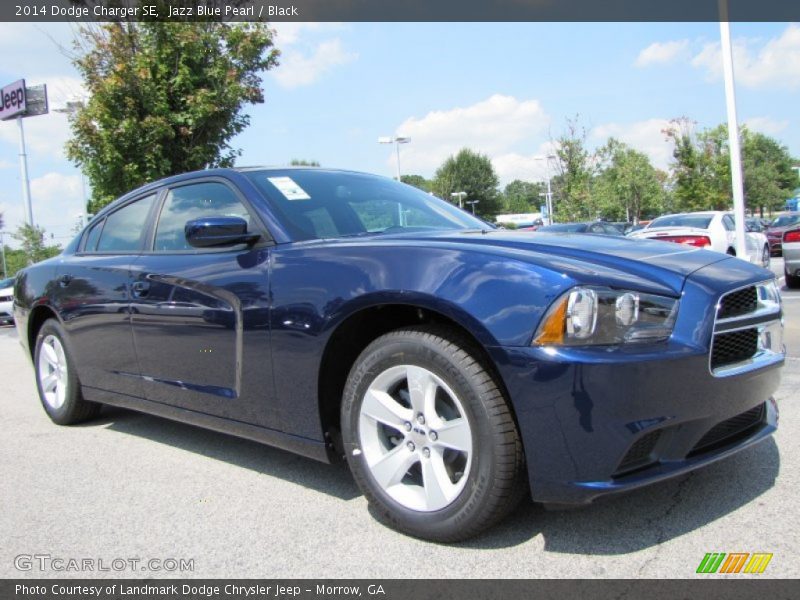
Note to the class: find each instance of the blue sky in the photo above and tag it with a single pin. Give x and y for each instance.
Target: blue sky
(504, 89)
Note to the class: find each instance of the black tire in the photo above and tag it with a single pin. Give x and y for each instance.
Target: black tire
(731, 252)
(766, 258)
(792, 281)
(496, 480)
(74, 408)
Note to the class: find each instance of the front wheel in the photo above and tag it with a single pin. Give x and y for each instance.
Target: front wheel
(56, 379)
(429, 436)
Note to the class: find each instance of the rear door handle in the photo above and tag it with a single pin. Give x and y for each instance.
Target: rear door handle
(140, 288)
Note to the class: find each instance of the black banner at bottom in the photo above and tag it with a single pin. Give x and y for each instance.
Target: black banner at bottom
(395, 589)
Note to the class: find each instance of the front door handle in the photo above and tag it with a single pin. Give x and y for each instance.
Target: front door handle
(140, 288)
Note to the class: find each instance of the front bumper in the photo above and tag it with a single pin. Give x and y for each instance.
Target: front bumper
(602, 420)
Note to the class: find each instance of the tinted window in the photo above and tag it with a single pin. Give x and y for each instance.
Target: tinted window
(92, 237)
(324, 204)
(125, 227)
(785, 220)
(188, 202)
(699, 221)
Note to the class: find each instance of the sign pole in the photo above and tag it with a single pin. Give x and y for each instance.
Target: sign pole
(23, 166)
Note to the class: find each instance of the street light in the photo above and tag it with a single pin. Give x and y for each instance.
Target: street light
(460, 197)
(71, 109)
(473, 202)
(549, 195)
(396, 140)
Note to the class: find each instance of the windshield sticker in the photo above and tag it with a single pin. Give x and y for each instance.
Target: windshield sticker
(289, 188)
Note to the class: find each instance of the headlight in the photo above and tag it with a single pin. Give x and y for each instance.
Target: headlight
(602, 316)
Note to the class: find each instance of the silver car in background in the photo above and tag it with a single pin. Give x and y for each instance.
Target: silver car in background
(791, 257)
(6, 301)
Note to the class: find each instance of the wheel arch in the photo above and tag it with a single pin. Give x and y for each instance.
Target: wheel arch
(37, 317)
(353, 333)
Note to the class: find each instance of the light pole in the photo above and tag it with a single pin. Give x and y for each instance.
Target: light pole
(549, 195)
(71, 109)
(460, 197)
(396, 140)
(473, 202)
(3, 246)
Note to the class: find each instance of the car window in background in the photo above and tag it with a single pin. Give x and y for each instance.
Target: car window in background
(195, 201)
(785, 220)
(125, 227)
(697, 221)
(564, 228)
(314, 204)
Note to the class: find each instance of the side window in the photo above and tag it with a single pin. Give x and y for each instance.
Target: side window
(125, 227)
(728, 223)
(91, 238)
(195, 201)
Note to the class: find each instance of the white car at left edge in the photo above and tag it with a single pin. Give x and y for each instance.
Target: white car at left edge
(712, 230)
(6, 301)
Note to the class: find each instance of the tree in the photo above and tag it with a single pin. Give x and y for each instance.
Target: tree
(164, 98)
(469, 172)
(299, 162)
(628, 186)
(522, 197)
(769, 176)
(34, 249)
(574, 164)
(418, 181)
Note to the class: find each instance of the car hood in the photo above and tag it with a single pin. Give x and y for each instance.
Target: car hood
(660, 267)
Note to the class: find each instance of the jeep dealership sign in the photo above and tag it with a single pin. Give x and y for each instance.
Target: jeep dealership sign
(13, 100)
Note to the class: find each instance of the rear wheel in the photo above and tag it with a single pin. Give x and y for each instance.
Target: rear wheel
(429, 436)
(792, 281)
(765, 257)
(56, 379)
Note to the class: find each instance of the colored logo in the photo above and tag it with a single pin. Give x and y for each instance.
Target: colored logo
(735, 562)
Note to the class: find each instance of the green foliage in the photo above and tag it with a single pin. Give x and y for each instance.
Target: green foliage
(33, 248)
(469, 172)
(418, 181)
(523, 197)
(299, 162)
(165, 97)
(627, 187)
(702, 175)
(571, 186)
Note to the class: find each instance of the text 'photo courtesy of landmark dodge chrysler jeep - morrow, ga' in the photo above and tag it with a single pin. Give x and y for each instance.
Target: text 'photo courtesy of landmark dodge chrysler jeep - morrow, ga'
(458, 368)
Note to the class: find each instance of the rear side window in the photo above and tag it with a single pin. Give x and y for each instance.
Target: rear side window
(125, 227)
(93, 236)
(195, 201)
(728, 223)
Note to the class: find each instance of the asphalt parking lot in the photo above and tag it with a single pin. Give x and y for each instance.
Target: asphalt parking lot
(130, 485)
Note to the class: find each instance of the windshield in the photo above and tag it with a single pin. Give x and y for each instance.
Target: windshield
(785, 220)
(4, 283)
(564, 227)
(315, 204)
(697, 221)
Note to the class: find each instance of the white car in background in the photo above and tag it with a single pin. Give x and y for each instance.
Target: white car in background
(6, 301)
(713, 230)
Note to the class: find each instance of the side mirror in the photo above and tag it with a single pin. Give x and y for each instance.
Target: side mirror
(211, 232)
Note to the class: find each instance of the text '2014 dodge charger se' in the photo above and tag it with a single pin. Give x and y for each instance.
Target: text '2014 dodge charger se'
(456, 367)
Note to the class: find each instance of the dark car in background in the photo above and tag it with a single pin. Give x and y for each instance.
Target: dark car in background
(600, 227)
(455, 367)
(777, 227)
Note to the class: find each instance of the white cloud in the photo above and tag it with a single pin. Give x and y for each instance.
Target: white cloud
(757, 64)
(766, 125)
(57, 202)
(663, 53)
(493, 126)
(288, 32)
(45, 136)
(298, 68)
(645, 136)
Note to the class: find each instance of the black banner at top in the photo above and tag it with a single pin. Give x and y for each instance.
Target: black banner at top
(401, 10)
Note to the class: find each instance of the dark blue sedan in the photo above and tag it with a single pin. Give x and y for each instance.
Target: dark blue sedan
(457, 368)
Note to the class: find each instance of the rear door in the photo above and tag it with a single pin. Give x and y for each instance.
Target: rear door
(201, 317)
(93, 296)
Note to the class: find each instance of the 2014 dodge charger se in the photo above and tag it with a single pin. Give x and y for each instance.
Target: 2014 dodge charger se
(456, 367)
